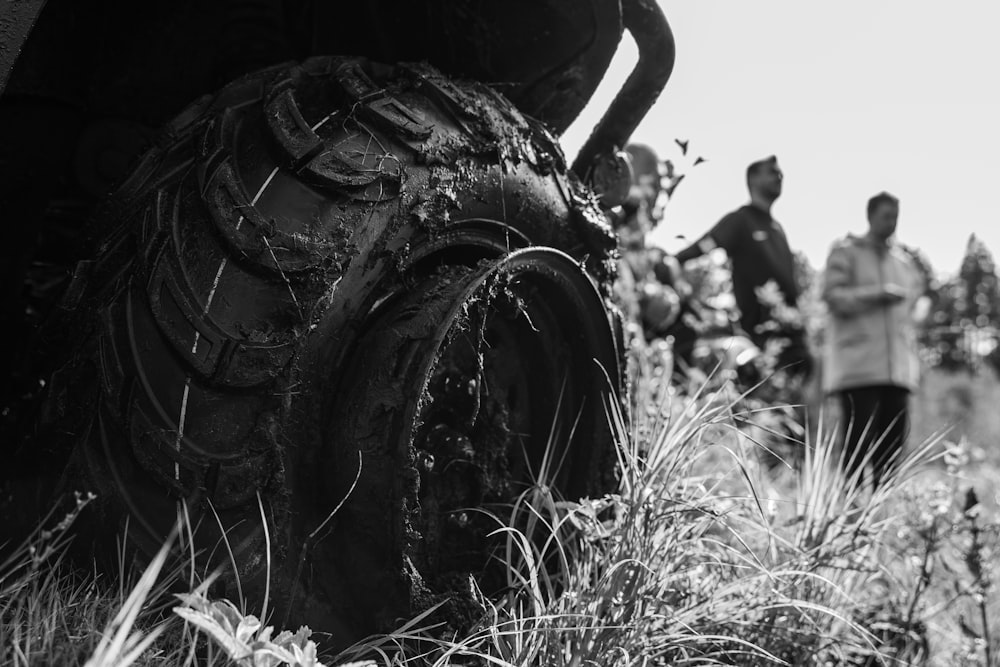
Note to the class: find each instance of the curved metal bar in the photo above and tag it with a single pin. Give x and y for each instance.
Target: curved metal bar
(16, 21)
(649, 28)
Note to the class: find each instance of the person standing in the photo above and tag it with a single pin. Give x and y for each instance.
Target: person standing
(871, 287)
(761, 257)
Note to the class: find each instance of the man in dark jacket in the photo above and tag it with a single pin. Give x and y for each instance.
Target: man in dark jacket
(762, 264)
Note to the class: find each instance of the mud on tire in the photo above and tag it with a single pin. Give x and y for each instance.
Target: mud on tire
(341, 284)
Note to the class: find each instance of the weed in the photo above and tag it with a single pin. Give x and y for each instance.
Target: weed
(702, 556)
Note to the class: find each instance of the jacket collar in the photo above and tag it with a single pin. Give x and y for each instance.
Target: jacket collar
(866, 240)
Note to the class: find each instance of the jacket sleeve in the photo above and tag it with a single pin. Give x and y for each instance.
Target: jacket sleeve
(691, 252)
(841, 295)
(726, 234)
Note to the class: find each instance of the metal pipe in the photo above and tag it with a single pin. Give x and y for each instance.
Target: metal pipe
(17, 18)
(649, 28)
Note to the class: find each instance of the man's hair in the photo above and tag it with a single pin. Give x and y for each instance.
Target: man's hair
(879, 199)
(754, 167)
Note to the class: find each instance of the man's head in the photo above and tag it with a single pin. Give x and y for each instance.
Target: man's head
(764, 179)
(883, 211)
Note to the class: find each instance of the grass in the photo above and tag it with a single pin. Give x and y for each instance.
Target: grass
(707, 554)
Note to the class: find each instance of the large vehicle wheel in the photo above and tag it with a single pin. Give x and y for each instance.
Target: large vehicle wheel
(341, 284)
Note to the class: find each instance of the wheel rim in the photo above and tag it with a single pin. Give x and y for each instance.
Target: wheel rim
(464, 381)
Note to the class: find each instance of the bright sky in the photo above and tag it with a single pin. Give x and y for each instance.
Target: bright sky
(853, 97)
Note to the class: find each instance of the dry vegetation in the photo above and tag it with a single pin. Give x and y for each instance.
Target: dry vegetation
(704, 556)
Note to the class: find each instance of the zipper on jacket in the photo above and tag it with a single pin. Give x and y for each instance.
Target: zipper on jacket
(885, 311)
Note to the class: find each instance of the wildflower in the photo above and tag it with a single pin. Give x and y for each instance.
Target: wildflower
(243, 638)
(783, 316)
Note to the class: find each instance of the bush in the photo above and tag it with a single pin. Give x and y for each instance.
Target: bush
(702, 556)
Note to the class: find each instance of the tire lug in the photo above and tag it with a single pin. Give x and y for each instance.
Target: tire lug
(463, 448)
(425, 461)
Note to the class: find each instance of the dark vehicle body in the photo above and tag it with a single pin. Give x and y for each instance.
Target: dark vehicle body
(316, 273)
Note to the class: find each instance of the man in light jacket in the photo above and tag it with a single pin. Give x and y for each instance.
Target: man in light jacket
(871, 287)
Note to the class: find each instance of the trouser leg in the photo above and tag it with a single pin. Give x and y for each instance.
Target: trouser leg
(893, 421)
(875, 421)
(796, 358)
(857, 409)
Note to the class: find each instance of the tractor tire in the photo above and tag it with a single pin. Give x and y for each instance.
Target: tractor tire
(337, 306)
